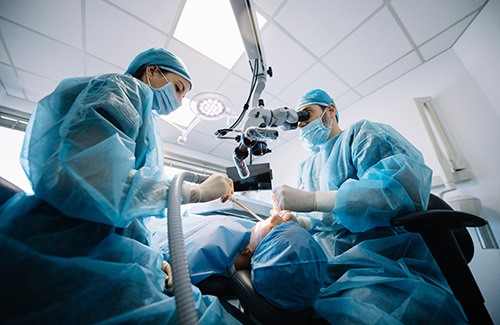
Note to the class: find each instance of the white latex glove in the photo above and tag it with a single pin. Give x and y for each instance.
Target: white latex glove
(216, 186)
(165, 267)
(304, 222)
(288, 198)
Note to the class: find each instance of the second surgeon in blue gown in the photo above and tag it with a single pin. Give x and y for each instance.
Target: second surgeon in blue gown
(355, 181)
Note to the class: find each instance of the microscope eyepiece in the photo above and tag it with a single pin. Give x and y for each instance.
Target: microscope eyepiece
(303, 116)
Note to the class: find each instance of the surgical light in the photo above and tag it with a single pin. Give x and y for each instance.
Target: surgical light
(210, 105)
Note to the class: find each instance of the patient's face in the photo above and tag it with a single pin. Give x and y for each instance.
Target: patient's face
(259, 232)
(262, 229)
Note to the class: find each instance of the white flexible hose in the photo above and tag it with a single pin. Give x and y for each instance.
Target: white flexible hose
(184, 300)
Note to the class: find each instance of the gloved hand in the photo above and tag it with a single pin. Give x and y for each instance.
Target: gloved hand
(304, 222)
(216, 186)
(165, 267)
(288, 198)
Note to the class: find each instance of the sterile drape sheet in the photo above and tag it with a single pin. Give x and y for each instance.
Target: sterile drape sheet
(61, 270)
(383, 277)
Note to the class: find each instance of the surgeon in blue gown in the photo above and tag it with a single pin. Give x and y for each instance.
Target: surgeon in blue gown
(77, 250)
(349, 188)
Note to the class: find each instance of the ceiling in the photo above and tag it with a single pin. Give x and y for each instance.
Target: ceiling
(349, 48)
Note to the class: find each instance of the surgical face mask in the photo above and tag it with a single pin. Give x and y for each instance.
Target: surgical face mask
(315, 133)
(165, 98)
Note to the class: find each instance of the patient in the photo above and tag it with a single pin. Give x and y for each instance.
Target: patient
(282, 256)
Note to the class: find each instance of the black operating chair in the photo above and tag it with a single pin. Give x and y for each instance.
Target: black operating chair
(256, 308)
(7, 190)
(444, 231)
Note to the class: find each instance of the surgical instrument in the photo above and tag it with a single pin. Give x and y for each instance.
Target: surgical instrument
(246, 209)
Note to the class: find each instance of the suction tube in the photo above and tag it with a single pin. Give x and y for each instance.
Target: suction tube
(184, 300)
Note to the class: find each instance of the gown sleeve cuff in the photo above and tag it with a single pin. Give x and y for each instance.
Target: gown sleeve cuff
(325, 200)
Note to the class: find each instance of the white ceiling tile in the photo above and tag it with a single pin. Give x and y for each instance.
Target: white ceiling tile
(201, 142)
(163, 16)
(60, 19)
(35, 86)
(168, 133)
(10, 82)
(287, 59)
(276, 102)
(97, 66)
(4, 58)
(54, 60)
(315, 77)
(373, 46)
(425, 18)
(268, 6)
(242, 67)
(224, 150)
(237, 90)
(321, 29)
(117, 37)
(392, 72)
(205, 73)
(345, 100)
(3, 94)
(209, 127)
(445, 40)
(33, 35)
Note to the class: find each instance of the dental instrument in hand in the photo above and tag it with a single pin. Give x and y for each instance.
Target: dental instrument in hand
(246, 209)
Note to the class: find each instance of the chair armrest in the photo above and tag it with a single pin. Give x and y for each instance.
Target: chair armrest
(437, 220)
(7, 190)
(216, 285)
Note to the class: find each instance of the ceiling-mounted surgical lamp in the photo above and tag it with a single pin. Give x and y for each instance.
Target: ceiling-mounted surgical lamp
(210, 105)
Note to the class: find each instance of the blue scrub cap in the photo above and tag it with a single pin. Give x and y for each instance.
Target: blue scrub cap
(318, 97)
(288, 267)
(163, 59)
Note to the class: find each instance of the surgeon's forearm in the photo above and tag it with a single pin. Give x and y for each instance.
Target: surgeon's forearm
(325, 200)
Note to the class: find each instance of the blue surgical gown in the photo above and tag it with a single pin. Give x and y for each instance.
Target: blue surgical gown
(93, 151)
(64, 270)
(213, 242)
(376, 274)
(377, 172)
(77, 250)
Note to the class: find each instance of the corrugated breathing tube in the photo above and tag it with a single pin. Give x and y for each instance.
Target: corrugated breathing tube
(184, 300)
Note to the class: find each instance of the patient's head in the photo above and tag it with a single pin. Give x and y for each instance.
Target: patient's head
(288, 267)
(259, 232)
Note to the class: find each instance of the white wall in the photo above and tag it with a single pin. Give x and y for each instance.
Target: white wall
(479, 49)
(465, 85)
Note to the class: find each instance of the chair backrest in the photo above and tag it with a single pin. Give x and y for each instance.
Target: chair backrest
(7, 190)
(462, 235)
(444, 232)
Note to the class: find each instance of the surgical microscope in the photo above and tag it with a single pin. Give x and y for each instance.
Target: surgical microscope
(260, 121)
